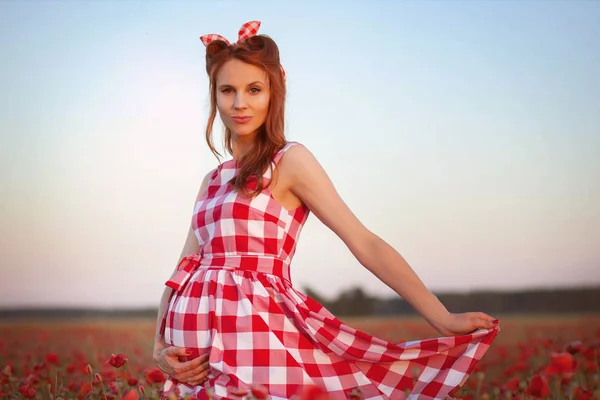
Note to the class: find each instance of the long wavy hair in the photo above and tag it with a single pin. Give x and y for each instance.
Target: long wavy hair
(261, 51)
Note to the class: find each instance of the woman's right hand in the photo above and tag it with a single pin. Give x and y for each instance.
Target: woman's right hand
(193, 372)
(465, 323)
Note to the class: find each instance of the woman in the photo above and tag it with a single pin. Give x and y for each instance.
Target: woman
(230, 302)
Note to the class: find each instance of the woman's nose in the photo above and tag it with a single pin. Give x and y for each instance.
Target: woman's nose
(239, 101)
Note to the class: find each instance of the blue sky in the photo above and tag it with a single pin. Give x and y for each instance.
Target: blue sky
(466, 134)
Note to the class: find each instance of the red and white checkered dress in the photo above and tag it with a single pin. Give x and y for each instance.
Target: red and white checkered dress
(235, 300)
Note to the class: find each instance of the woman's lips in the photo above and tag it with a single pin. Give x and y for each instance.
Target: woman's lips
(241, 120)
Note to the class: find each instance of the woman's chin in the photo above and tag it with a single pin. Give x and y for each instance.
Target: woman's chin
(243, 132)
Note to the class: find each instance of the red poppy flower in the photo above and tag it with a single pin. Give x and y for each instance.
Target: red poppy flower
(85, 388)
(117, 361)
(574, 347)
(32, 379)
(155, 375)
(589, 353)
(27, 391)
(590, 366)
(512, 384)
(132, 381)
(581, 393)
(52, 358)
(561, 364)
(131, 395)
(538, 386)
(109, 374)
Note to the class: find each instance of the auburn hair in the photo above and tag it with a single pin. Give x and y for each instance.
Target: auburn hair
(261, 51)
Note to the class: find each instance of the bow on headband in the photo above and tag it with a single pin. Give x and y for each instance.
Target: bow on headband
(247, 30)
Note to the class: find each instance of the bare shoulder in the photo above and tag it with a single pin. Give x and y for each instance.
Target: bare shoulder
(300, 168)
(297, 161)
(308, 180)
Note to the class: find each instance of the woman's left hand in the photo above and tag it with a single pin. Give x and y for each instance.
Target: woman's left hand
(465, 323)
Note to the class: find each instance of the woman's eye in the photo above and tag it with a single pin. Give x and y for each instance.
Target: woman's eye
(252, 90)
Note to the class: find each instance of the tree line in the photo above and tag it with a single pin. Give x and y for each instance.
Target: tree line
(356, 302)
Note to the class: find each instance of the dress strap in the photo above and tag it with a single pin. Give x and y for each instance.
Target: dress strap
(281, 152)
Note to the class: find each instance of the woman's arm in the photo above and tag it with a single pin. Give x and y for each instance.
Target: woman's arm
(190, 246)
(195, 371)
(308, 181)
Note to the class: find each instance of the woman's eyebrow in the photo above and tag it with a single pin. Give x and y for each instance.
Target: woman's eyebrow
(250, 84)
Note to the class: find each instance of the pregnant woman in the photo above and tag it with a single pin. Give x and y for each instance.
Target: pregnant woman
(230, 317)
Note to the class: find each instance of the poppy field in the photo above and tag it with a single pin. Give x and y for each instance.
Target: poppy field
(533, 357)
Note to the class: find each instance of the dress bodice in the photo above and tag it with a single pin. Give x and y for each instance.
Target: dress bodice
(229, 223)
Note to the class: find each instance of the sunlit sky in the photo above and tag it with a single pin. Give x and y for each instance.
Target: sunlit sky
(465, 134)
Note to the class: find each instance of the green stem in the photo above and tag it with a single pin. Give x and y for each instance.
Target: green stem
(91, 386)
(557, 387)
(57, 389)
(480, 378)
(103, 392)
(119, 384)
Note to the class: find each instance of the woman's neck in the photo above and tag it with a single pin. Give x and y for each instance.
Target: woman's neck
(242, 146)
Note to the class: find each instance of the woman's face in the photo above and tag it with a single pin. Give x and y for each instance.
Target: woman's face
(242, 91)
